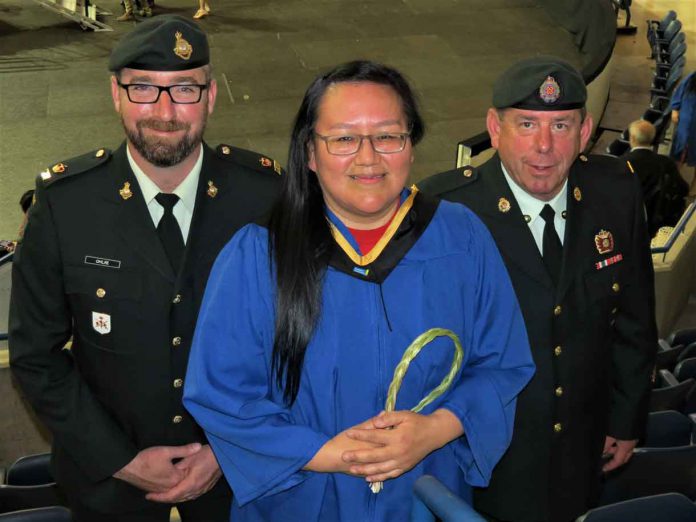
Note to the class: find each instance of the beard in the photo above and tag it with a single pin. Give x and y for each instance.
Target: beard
(160, 152)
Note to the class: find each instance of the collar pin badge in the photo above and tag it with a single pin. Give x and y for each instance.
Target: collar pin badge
(577, 194)
(182, 48)
(265, 162)
(226, 150)
(125, 192)
(58, 168)
(45, 175)
(212, 189)
(100, 153)
(550, 91)
(503, 205)
(277, 168)
(604, 242)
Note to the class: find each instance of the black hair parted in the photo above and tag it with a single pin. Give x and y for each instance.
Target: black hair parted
(300, 239)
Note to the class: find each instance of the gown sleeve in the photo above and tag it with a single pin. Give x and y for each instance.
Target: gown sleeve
(258, 446)
(499, 365)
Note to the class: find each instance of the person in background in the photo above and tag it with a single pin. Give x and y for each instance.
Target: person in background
(289, 381)
(25, 202)
(203, 9)
(684, 134)
(664, 189)
(116, 255)
(572, 232)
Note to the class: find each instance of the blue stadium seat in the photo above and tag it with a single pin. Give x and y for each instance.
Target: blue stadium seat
(671, 507)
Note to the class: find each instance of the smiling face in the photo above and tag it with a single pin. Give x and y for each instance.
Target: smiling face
(164, 133)
(362, 189)
(538, 147)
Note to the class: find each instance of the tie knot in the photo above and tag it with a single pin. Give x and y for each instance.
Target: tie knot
(169, 200)
(547, 214)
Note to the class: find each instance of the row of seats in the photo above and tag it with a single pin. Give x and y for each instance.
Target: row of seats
(668, 49)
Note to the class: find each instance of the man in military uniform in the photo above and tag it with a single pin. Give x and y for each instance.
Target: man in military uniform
(572, 232)
(664, 189)
(116, 255)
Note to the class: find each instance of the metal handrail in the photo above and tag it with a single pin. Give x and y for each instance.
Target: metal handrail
(432, 499)
(7, 258)
(678, 229)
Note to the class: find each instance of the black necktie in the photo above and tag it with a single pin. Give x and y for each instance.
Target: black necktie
(551, 245)
(168, 230)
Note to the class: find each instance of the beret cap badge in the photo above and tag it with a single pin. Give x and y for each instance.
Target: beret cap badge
(182, 48)
(550, 91)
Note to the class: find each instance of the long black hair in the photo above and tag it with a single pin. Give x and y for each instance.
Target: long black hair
(300, 239)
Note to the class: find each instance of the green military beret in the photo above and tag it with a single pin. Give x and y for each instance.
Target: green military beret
(542, 83)
(162, 43)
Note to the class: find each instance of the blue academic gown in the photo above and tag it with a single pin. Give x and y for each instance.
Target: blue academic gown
(684, 101)
(451, 276)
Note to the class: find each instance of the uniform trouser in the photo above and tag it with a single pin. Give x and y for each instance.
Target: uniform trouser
(208, 508)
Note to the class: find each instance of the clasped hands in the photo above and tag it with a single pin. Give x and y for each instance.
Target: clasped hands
(386, 446)
(153, 470)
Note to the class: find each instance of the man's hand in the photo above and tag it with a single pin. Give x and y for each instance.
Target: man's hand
(201, 472)
(403, 438)
(152, 469)
(621, 452)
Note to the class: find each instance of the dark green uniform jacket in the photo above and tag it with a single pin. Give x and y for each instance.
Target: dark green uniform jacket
(91, 266)
(593, 338)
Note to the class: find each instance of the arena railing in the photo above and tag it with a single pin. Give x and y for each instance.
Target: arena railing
(432, 499)
(678, 230)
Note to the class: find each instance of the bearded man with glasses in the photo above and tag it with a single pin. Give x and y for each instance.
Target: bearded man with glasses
(116, 256)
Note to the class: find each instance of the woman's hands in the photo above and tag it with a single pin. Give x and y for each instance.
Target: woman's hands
(399, 441)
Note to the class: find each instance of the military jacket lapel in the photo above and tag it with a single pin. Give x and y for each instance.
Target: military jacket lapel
(212, 186)
(576, 210)
(134, 222)
(512, 233)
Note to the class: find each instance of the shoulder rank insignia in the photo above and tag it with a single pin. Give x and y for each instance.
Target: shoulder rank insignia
(265, 162)
(125, 192)
(504, 205)
(278, 169)
(604, 242)
(73, 166)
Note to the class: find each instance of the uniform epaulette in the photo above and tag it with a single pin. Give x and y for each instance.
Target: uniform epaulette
(76, 165)
(450, 180)
(249, 158)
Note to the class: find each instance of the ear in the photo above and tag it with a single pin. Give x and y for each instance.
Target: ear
(493, 125)
(311, 162)
(586, 131)
(212, 96)
(115, 94)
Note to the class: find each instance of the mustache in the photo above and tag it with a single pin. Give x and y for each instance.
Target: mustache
(159, 125)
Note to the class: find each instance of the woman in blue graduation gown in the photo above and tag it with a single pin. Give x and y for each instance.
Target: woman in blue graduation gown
(305, 318)
(683, 105)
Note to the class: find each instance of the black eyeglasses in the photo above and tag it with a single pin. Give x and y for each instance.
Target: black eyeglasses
(347, 144)
(146, 93)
